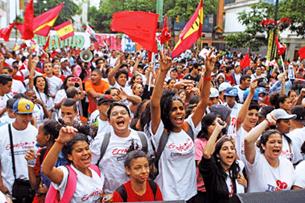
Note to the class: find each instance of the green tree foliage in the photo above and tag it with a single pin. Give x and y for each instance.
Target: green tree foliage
(101, 18)
(251, 20)
(70, 9)
(294, 9)
(184, 9)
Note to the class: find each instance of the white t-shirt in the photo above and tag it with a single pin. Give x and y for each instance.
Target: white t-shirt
(3, 100)
(240, 143)
(17, 87)
(299, 175)
(112, 163)
(287, 151)
(93, 116)
(240, 93)
(177, 169)
(60, 95)
(126, 89)
(48, 101)
(103, 126)
(23, 141)
(233, 122)
(54, 84)
(38, 114)
(297, 137)
(3, 198)
(264, 178)
(88, 189)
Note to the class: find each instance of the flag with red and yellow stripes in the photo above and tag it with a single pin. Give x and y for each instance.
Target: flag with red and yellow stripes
(191, 32)
(43, 23)
(64, 30)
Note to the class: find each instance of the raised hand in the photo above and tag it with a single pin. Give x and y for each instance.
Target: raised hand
(210, 61)
(165, 62)
(66, 134)
(253, 86)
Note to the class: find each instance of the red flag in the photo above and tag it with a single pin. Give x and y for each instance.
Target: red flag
(46, 46)
(245, 62)
(5, 32)
(65, 30)
(281, 49)
(302, 53)
(165, 34)
(191, 32)
(43, 23)
(28, 21)
(140, 26)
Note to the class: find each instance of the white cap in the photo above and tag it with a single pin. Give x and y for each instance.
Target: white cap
(213, 92)
(63, 60)
(223, 86)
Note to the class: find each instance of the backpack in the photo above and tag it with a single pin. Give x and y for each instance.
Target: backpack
(106, 140)
(53, 194)
(154, 167)
(122, 190)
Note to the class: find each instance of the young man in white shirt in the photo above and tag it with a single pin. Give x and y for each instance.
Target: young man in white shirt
(54, 82)
(24, 138)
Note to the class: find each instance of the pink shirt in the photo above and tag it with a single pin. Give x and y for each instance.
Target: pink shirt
(200, 144)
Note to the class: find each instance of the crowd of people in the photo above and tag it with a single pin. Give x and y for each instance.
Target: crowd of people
(128, 127)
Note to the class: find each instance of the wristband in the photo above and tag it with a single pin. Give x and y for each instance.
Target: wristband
(208, 78)
(269, 123)
(59, 142)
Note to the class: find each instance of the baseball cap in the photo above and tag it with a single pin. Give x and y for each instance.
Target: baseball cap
(223, 86)
(214, 92)
(231, 92)
(105, 98)
(281, 114)
(221, 110)
(63, 60)
(299, 111)
(23, 106)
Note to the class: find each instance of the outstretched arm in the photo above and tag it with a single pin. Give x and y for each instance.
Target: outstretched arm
(210, 147)
(165, 64)
(205, 85)
(244, 109)
(253, 135)
(48, 165)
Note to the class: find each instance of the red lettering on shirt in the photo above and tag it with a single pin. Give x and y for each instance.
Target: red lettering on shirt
(184, 147)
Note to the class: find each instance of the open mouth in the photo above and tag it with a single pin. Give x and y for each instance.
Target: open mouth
(120, 122)
(276, 151)
(179, 120)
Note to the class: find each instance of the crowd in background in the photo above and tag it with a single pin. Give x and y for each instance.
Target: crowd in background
(141, 127)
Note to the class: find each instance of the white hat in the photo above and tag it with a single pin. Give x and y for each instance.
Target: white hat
(223, 86)
(214, 92)
(281, 114)
(63, 60)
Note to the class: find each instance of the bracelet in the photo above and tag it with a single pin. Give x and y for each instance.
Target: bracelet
(269, 123)
(208, 78)
(59, 142)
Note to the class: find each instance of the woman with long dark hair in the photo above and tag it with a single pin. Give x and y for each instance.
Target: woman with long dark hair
(221, 172)
(41, 89)
(177, 169)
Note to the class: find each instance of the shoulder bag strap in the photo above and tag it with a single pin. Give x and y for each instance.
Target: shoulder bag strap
(122, 191)
(104, 147)
(190, 131)
(162, 143)
(153, 187)
(143, 141)
(12, 149)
